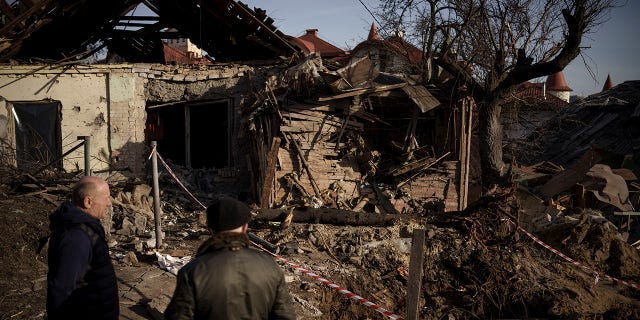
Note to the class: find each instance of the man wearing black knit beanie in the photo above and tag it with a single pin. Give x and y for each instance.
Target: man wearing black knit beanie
(228, 279)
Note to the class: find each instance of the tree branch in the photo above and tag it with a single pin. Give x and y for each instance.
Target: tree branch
(525, 71)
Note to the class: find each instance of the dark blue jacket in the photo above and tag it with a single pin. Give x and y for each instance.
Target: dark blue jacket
(81, 282)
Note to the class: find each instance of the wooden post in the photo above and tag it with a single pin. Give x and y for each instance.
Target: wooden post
(467, 160)
(415, 274)
(156, 194)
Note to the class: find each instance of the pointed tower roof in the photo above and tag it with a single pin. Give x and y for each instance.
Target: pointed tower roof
(556, 82)
(373, 33)
(607, 84)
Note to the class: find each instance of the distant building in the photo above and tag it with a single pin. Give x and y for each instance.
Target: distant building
(183, 51)
(394, 55)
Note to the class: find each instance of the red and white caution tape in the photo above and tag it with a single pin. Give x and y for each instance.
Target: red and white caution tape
(175, 177)
(330, 284)
(596, 274)
(334, 286)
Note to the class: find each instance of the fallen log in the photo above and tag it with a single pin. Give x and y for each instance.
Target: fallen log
(327, 216)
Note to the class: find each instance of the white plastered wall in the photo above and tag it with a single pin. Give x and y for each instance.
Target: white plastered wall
(562, 95)
(105, 102)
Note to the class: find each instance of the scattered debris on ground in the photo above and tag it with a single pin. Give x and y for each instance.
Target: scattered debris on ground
(477, 263)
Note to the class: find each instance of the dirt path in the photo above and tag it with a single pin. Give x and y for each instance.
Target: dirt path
(144, 290)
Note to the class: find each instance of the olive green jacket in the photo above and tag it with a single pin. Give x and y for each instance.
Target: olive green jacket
(230, 280)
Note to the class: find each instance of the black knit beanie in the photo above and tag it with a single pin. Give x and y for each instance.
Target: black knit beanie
(227, 213)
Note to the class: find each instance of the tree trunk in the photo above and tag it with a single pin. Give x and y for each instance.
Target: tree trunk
(493, 167)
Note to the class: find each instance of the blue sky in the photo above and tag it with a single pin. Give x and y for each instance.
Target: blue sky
(614, 47)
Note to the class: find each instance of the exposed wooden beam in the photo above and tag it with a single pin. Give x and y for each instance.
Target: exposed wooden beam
(358, 92)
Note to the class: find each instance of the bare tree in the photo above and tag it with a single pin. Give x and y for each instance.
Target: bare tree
(493, 46)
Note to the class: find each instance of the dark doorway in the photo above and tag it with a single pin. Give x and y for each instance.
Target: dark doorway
(171, 139)
(193, 134)
(37, 134)
(209, 134)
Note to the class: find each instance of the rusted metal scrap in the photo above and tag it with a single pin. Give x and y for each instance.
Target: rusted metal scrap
(614, 191)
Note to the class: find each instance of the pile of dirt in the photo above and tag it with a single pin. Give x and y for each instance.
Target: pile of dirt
(24, 223)
(477, 264)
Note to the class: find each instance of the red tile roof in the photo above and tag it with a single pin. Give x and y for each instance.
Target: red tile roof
(306, 46)
(326, 49)
(535, 92)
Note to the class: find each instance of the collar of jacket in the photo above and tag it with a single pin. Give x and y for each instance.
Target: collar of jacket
(229, 240)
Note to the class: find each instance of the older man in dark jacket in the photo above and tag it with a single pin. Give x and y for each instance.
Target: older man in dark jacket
(228, 279)
(81, 282)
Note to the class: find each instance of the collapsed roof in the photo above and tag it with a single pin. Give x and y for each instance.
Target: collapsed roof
(32, 30)
(607, 121)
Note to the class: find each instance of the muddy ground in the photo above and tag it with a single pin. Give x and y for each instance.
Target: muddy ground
(476, 264)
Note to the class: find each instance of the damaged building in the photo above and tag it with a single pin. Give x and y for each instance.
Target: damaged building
(263, 119)
(354, 166)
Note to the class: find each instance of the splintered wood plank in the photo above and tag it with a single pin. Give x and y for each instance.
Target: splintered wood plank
(321, 146)
(306, 114)
(311, 107)
(307, 127)
(270, 170)
(310, 113)
(322, 119)
(358, 92)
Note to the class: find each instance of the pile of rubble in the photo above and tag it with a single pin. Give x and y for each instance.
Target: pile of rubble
(477, 263)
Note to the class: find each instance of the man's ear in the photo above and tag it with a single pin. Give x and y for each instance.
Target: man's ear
(86, 202)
